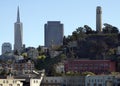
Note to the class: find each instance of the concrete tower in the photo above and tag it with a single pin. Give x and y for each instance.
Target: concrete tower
(99, 19)
(18, 33)
(6, 48)
(53, 33)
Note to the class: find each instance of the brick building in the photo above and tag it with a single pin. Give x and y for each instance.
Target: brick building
(95, 66)
(23, 67)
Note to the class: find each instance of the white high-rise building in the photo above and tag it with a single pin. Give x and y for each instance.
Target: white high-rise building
(99, 19)
(6, 48)
(18, 33)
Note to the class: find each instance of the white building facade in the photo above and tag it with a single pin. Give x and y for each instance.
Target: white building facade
(63, 81)
(59, 68)
(11, 82)
(18, 34)
(99, 80)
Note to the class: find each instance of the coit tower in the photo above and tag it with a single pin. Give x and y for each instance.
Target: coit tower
(99, 19)
(18, 33)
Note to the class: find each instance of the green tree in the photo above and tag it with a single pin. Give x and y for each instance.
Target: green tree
(88, 29)
(42, 57)
(87, 73)
(16, 52)
(80, 30)
(110, 29)
(111, 51)
(115, 30)
(24, 55)
(62, 57)
(81, 33)
(65, 41)
(74, 35)
(39, 48)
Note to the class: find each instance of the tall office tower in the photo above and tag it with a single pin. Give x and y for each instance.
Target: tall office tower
(6, 48)
(53, 33)
(99, 19)
(18, 34)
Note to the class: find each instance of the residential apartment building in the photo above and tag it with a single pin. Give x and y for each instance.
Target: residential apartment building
(7, 67)
(99, 80)
(10, 81)
(23, 67)
(117, 80)
(19, 67)
(64, 81)
(32, 53)
(52, 81)
(95, 66)
(59, 68)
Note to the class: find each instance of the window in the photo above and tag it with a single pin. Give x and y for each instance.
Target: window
(81, 65)
(55, 81)
(18, 84)
(10, 84)
(1, 85)
(88, 84)
(46, 80)
(52, 81)
(64, 80)
(13, 81)
(4, 81)
(100, 85)
(36, 81)
(95, 84)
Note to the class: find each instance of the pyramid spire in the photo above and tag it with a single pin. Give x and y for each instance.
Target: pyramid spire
(18, 15)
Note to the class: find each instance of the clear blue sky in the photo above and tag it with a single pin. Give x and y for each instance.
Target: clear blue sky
(35, 13)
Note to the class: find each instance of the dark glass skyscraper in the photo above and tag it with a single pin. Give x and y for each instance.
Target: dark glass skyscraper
(54, 33)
